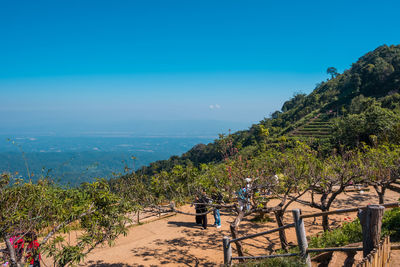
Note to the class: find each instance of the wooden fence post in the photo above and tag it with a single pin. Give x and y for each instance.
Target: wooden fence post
(227, 251)
(371, 222)
(388, 250)
(301, 236)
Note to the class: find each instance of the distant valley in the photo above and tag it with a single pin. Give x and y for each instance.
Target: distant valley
(73, 160)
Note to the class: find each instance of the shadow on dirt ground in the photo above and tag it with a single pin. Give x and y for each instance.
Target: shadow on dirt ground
(103, 264)
(176, 251)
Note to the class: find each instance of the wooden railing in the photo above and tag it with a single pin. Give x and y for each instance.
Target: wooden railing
(379, 257)
(301, 238)
(369, 216)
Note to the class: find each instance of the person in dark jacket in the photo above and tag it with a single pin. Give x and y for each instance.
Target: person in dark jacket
(203, 208)
(197, 208)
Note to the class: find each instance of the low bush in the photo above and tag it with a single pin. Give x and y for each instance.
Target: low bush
(275, 262)
(261, 218)
(391, 224)
(351, 232)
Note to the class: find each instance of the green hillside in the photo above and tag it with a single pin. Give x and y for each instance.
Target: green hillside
(345, 110)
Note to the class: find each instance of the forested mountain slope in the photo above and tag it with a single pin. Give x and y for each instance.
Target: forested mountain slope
(360, 105)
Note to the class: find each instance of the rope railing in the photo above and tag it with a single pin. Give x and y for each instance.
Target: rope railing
(318, 214)
(263, 233)
(266, 256)
(173, 209)
(343, 249)
(216, 205)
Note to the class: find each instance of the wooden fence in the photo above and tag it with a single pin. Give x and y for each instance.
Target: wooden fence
(370, 217)
(379, 257)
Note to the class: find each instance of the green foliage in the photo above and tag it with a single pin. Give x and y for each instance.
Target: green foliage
(332, 71)
(49, 210)
(382, 164)
(349, 233)
(296, 100)
(375, 120)
(261, 218)
(275, 262)
(391, 224)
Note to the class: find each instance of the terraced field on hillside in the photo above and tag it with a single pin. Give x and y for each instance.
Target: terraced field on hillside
(317, 127)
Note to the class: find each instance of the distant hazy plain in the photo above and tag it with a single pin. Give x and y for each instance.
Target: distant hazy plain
(72, 157)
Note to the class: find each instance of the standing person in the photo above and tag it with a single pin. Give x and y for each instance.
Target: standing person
(248, 193)
(243, 195)
(33, 256)
(197, 208)
(203, 208)
(217, 199)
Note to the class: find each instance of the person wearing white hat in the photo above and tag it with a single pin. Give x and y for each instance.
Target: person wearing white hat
(244, 195)
(248, 188)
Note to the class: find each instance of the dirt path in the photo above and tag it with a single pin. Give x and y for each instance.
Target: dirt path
(178, 241)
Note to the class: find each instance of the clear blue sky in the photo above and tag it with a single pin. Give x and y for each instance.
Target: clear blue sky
(103, 61)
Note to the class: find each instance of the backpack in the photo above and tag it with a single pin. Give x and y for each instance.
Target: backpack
(242, 193)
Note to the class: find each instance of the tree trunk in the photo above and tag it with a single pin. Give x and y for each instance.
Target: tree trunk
(381, 193)
(324, 207)
(234, 231)
(381, 198)
(12, 254)
(325, 219)
(282, 233)
(325, 223)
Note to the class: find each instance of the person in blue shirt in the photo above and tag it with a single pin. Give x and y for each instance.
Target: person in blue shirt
(244, 196)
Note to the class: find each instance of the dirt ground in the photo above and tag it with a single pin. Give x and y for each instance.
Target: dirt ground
(178, 241)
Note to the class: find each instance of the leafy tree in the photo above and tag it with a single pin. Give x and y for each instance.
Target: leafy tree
(295, 101)
(332, 71)
(375, 120)
(49, 210)
(332, 177)
(382, 167)
(275, 174)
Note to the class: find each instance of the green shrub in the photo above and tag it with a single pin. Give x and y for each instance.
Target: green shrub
(348, 233)
(391, 224)
(351, 232)
(261, 218)
(275, 262)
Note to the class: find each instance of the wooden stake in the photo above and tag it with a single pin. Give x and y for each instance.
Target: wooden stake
(301, 236)
(371, 222)
(227, 251)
